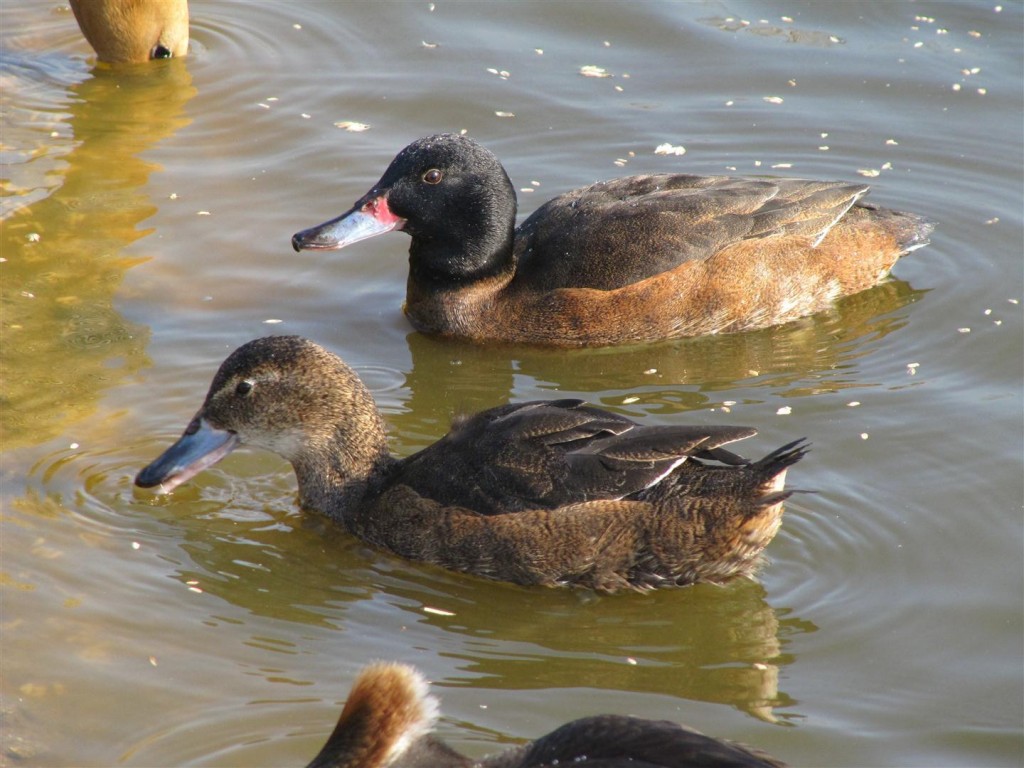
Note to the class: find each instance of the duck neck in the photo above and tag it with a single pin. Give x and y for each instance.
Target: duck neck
(452, 283)
(446, 264)
(337, 468)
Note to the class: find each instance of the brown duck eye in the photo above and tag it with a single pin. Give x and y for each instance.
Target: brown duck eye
(433, 176)
(243, 388)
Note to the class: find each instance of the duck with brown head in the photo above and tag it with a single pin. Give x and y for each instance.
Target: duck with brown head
(547, 492)
(388, 718)
(629, 260)
(134, 30)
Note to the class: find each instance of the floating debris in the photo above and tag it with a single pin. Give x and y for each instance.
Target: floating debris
(589, 70)
(784, 411)
(669, 149)
(352, 126)
(437, 611)
(773, 99)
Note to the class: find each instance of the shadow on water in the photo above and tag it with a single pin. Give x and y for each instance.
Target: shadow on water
(448, 378)
(64, 340)
(723, 645)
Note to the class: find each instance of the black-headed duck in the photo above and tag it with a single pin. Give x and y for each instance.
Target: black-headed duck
(134, 30)
(548, 492)
(629, 260)
(389, 715)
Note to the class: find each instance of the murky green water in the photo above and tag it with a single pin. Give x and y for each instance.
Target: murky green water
(147, 213)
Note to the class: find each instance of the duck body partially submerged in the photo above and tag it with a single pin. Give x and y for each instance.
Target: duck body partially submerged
(134, 30)
(552, 493)
(389, 715)
(630, 260)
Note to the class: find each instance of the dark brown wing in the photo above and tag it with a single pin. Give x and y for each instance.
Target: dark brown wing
(617, 741)
(619, 232)
(547, 454)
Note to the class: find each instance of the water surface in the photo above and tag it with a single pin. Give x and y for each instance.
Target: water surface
(147, 212)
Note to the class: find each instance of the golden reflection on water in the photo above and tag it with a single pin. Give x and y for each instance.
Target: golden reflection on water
(64, 342)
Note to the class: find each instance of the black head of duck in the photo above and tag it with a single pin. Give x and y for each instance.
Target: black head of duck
(634, 259)
(134, 30)
(547, 492)
(389, 715)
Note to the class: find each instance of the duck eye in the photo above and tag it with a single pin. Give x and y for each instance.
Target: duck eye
(160, 52)
(433, 176)
(243, 388)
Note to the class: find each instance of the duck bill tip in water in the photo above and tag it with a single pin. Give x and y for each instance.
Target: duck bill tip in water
(370, 217)
(201, 446)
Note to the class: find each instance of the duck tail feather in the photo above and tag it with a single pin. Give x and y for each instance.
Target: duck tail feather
(783, 457)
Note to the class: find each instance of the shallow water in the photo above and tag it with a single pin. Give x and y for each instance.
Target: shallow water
(147, 213)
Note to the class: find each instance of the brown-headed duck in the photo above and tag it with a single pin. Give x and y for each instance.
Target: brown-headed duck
(634, 259)
(134, 30)
(389, 715)
(548, 492)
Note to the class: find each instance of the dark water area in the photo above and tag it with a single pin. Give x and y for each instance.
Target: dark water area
(147, 213)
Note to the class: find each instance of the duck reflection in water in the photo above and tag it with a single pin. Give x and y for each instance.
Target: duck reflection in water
(389, 715)
(554, 493)
(69, 276)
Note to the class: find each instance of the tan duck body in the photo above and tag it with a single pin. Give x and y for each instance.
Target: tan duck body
(388, 718)
(553, 493)
(134, 30)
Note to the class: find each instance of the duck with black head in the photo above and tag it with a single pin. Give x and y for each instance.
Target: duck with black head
(134, 30)
(555, 493)
(389, 715)
(635, 259)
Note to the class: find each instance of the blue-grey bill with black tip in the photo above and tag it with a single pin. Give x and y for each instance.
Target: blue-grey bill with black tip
(200, 446)
(369, 218)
